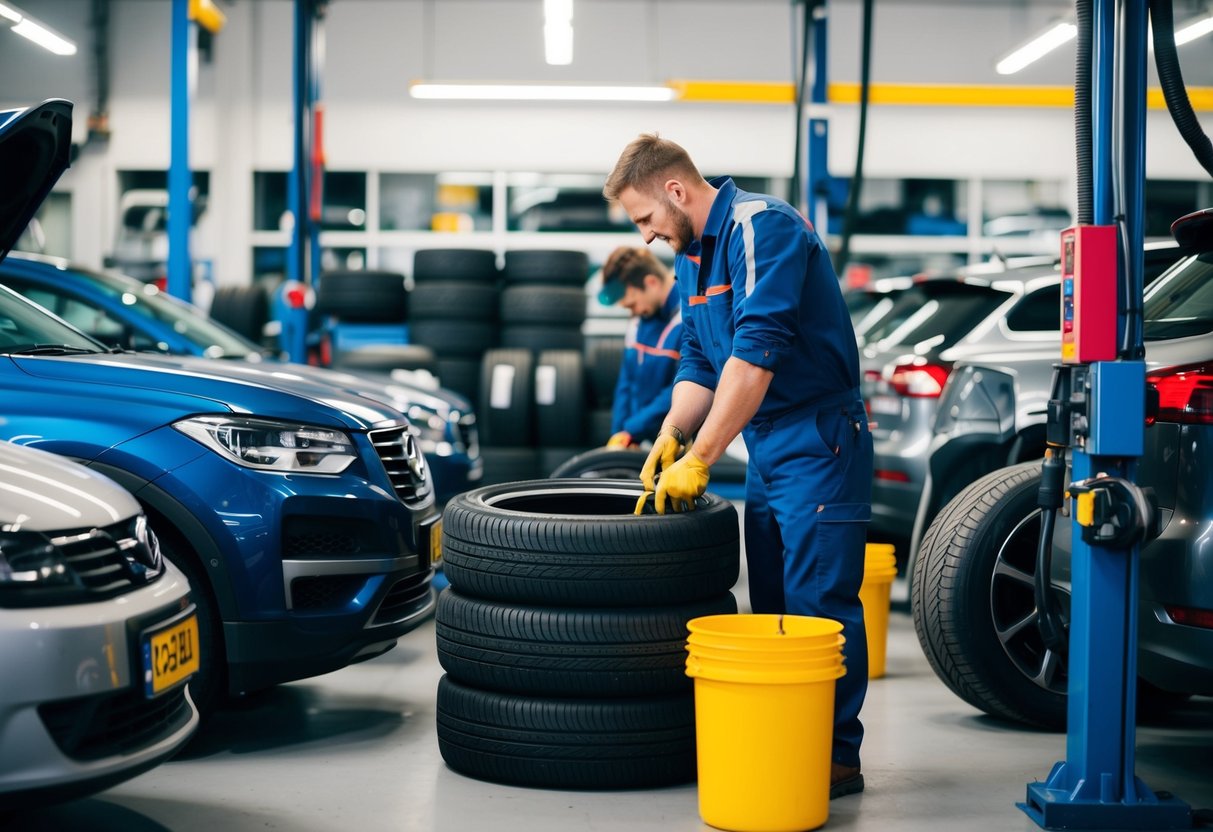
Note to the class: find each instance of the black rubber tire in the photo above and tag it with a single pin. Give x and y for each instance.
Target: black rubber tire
(454, 339)
(542, 306)
(243, 309)
(466, 265)
(363, 297)
(507, 398)
(503, 465)
(452, 300)
(603, 358)
(604, 463)
(552, 458)
(566, 743)
(536, 338)
(598, 424)
(958, 607)
(461, 375)
(559, 399)
(207, 687)
(550, 267)
(384, 358)
(559, 651)
(572, 542)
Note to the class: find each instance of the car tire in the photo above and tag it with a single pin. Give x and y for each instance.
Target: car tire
(461, 375)
(577, 543)
(465, 265)
(558, 268)
(604, 463)
(562, 651)
(242, 309)
(566, 743)
(604, 357)
(536, 338)
(559, 399)
(363, 297)
(542, 306)
(452, 300)
(507, 398)
(454, 339)
(972, 593)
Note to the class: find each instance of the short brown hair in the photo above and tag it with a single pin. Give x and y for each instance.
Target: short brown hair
(644, 161)
(632, 265)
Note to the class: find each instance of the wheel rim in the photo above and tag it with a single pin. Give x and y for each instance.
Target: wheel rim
(1013, 608)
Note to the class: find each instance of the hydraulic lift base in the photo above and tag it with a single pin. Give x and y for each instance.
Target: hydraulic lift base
(1059, 808)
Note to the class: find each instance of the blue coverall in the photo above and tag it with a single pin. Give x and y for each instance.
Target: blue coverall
(759, 285)
(646, 376)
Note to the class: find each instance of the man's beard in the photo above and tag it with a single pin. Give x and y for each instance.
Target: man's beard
(684, 232)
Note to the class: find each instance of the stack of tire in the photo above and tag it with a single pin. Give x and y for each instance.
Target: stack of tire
(543, 300)
(563, 633)
(455, 301)
(369, 297)
(603, 359)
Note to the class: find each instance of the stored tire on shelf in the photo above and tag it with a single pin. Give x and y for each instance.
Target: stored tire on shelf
(559, 398)
(535, 338)
(542, 305)
(604, 463)
(242, 309)
(363, 297)
(384, 358)
(550, 267)
(507, 398)
(603, 358)
(566, 743)
(452, 300)
(502, 465)
(466, 265)
(564, 651)
(574, 542)
(454, 339)
(461, 375)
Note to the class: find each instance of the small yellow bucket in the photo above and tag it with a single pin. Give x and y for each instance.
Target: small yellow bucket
(764, 719)
(879, 570)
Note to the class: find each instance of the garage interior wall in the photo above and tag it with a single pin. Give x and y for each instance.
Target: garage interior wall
(242, 108)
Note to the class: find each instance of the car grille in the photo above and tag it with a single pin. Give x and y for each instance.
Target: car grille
(405, 597)
(397, 449)
(107, 725)
(323, 537)
(325, 592)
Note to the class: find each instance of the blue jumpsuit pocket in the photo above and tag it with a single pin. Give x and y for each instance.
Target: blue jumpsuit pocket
(842, 535)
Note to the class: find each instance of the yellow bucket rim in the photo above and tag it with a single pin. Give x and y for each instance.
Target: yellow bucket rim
(759, 627)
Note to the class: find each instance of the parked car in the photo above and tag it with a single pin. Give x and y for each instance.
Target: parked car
(972, 589)
(97, 633)
(302, 515)
(132, 315)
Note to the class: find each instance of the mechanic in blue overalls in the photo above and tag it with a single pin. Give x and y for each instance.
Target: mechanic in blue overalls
(634, 278)
(768, 350)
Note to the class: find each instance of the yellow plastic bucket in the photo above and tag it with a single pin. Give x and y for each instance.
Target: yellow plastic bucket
(764, 719)
(879, 570)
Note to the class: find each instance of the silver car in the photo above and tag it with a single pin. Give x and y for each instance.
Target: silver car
(98, 635)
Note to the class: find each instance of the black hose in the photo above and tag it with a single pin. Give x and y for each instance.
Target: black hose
(1084, 144)
(801, 83)
(1049, 620)
(1166, 57)
(865, 78)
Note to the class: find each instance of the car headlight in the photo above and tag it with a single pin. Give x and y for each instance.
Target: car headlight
(29, 560)
(270, 445)
(432, 430)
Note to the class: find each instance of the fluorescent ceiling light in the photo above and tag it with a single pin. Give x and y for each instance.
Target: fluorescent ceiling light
(539, 92)
(39, 33)
(558, 31)
(1193, 31)
(1037, 48)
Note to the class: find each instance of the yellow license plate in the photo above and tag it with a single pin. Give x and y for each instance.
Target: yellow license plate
(170, 656)
(436, 543)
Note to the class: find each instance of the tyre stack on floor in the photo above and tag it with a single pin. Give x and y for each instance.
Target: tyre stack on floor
(532, 391)
(563, 631)
(369, 298)
(455, 302)
(603, 360)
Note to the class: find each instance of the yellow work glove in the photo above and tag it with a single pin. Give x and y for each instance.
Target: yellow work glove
(666, 448)
(682, 482)
(620, 440)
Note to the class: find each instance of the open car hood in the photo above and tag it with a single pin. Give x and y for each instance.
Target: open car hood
(35, 149)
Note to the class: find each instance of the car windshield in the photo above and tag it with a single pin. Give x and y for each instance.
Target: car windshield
(940, 311)
(186, 320)
(27, 328)
(1180, 303)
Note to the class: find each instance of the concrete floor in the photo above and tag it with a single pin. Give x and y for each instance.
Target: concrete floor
(356, 750)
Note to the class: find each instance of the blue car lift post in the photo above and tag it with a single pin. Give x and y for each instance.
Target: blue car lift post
(305, 182)
(1096, 786)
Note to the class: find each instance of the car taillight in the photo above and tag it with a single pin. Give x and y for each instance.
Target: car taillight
(1185, 394)
(1191, 616)
(919, 381)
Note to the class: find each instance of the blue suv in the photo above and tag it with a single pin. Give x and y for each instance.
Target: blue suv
(303, 515)
(124, 312)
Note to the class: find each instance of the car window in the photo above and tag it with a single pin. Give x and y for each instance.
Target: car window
(939, 311)
(1038, 312)
(23, 325)
(1180, 303)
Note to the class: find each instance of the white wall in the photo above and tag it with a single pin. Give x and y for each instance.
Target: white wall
(242, 112)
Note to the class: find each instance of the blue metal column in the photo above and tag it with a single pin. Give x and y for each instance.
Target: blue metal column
(1096, 786)
(818, 183)
(180, 211)
(301, 253)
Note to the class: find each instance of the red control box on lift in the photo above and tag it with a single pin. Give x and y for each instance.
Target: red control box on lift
(1088, 294)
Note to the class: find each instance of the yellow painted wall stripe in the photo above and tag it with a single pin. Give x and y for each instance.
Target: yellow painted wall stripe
(911, 95)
